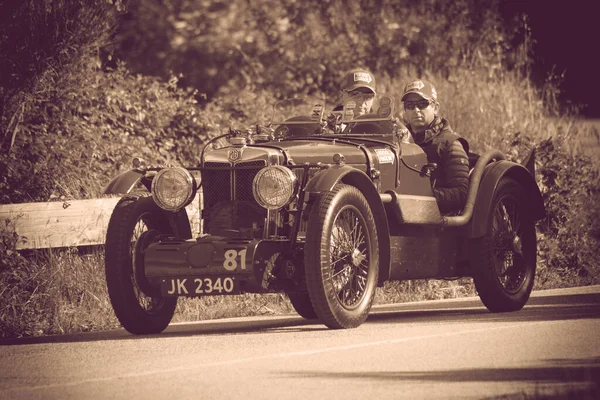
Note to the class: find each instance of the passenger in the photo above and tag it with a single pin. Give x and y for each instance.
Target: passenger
(450, 180)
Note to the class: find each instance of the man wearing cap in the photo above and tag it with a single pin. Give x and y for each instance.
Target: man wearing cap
(358, 88)
(444, 147)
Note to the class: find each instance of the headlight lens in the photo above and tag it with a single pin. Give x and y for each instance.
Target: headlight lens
(274, 187)
(173, 188)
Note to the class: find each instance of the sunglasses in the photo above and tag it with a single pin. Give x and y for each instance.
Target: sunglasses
(422, 104)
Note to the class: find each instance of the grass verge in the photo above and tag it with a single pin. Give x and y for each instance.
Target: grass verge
(63, 291)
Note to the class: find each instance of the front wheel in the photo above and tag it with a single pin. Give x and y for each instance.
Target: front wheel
(341, 257)
(134, 224)
(504, 258)
(301, 303)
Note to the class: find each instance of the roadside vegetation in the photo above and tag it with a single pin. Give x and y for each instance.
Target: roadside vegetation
(87, 84)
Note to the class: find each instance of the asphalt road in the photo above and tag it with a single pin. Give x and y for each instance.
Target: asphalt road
(430, 350)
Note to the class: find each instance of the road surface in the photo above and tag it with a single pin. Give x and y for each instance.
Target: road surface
(431, 350)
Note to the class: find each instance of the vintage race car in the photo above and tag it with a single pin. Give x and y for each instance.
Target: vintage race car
(324, 211)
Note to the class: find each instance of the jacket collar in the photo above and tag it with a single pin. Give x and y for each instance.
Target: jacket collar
(434, 128)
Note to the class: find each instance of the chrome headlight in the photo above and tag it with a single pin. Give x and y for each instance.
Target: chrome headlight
(173, 188)
(274, 187)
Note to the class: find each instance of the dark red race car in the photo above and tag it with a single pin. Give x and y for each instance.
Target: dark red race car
(324, 211)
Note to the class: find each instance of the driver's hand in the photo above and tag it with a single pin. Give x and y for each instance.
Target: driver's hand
(402, 131)
(334, 120)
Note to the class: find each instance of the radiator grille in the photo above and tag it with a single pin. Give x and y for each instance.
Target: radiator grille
(227, 207)
(216, 184)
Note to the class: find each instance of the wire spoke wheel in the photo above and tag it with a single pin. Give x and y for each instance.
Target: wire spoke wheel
(507, 233)
(341, 257)
(504, 258)
(134, 224)
(349, 257)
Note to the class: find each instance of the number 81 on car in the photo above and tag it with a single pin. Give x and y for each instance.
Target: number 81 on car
(200, 286)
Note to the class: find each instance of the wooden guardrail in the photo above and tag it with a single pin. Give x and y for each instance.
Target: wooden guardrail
(70, 223)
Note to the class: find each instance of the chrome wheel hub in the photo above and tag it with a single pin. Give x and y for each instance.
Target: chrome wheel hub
(517, 245)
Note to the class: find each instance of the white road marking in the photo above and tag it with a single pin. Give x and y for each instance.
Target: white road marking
(273, 356)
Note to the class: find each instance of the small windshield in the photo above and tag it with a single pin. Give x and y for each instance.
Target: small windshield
(307, 116)
(383, 109)
(298, 111)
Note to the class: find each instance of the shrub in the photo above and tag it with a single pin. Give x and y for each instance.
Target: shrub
(294, 47)
(570, 234)
(72, 142)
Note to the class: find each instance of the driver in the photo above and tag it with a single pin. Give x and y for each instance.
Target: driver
(444, 147)
(358, 86)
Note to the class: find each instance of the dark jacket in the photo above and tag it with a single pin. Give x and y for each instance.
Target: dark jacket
(450, 180)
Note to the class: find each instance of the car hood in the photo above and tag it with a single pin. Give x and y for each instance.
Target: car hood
(311, 150)
(322, 150)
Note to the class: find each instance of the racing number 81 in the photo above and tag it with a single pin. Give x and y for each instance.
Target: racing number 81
(230, 263)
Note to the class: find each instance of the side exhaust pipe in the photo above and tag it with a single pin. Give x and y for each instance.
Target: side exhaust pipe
(475, 180)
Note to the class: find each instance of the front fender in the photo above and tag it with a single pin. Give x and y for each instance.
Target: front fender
(325, 180)
(487, 188)
(124, 182)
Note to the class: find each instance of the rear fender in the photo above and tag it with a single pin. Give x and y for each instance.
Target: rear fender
(325, 180)
(125, 182)
(491, 177)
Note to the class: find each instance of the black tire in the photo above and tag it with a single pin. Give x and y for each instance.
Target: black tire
(137, 312)
(504, 259)
(301, 303)
(341, 257)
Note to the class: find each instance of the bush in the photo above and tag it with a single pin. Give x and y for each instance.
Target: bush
(295, 47)
(74, 140)
(570, 234)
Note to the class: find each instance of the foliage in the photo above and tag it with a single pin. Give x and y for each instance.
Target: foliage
(94, 123)
(570, 187)
(74, 124)
(297, 46)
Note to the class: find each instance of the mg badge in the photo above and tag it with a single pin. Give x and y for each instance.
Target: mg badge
(234, 155)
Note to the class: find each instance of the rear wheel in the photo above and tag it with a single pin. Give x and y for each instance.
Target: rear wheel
(341, 257)
(134, 224)
(505, 257)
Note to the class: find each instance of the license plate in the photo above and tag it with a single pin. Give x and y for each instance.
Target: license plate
(200, 286)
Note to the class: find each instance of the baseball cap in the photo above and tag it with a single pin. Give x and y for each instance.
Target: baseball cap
(422, 88)
(358, 78)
